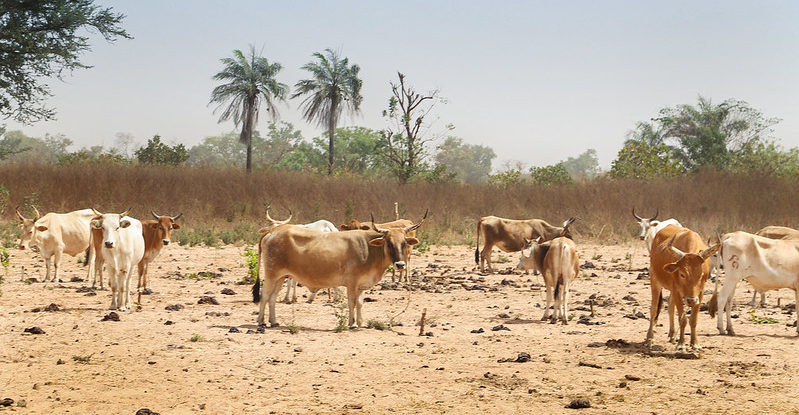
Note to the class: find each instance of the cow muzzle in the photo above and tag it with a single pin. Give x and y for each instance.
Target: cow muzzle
(641, 237)
(21, 247)
(165, 241)
(399, 264)
(109, 244)
(691, 300)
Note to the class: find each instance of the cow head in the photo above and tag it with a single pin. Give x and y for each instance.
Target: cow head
(528, 261)
(110, 223)
(355, 225)
(396, 243)
(689, 271)
(565, 231)
(26, 229)
(164, 225)
(645, 223)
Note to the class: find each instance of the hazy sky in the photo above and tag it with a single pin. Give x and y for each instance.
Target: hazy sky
(536, 81)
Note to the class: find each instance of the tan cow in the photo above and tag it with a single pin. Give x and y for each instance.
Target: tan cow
(509, 235)
(55, 234)
(355, 260)
(768, 264)
(558, 262)
(772, 232)
(679, 263)
(394, 224)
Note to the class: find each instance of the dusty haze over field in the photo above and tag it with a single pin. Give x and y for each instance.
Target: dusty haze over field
(522, 77)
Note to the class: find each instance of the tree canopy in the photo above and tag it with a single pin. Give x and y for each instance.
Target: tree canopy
(45, 39)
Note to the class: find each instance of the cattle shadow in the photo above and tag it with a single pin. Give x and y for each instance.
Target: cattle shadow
(281, 328)
(666, 350)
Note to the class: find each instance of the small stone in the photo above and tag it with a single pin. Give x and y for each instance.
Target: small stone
(622, 384)
(6, 402)
(206, 299)
(478, 331)
(146, 291)
(234, 330)
(34, 330)
(174, 307)
(500, 327)
(146, 411)
(228, 291)
(169, 323)
(112, 316)
(579, 404)
(298, 349)
(632, 378)
(59, 362)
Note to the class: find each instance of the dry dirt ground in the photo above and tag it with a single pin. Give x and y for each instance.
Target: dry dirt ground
(187, 361)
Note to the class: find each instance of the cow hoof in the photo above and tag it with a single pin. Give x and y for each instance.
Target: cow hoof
(354, 327)
(565, 322)
(275, 324)
(696, 347)
(730, 332)
(681, 348)
(672, 340)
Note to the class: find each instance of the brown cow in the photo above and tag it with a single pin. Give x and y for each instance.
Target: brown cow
(558, 262)
(395, 224)
(509, 235)
(355, 260)
(679, 263)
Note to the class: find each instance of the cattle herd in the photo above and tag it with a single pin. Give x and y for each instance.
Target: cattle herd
(356, 256)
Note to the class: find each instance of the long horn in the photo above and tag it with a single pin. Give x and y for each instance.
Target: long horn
(414, 227)
(269, 218)
(657, 212)
(278, 222)
(19, 215)
(675, 249)
(175, 218)
(375, 226)
(36, 213)
(155, 215)
(638, 218)
(569, 222)
(710, 251)
(125, 213)
(96, 213)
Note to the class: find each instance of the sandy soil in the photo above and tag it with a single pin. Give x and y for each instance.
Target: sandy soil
(144, 362)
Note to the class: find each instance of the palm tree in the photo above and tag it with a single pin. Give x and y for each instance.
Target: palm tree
(334, 85)
(248, 81)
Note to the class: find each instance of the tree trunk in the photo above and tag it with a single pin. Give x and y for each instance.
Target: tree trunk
(331, 133)
(246, 132)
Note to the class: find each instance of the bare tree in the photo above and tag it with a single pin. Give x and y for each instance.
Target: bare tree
(404, 141)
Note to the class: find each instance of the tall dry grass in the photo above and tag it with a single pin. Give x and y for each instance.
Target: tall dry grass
(220, 199)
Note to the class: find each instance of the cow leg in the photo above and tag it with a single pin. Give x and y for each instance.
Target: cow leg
(124, 288)
(47, 262)
(270, 291)
(289, 283)
(56, 263)
(312, 296)
(142, 267)
(352, 299)
(112, 282)
(762, 299)
(91, 261)
(654, 312)
(549, 299)
(694, 317)
(672, 308)
(682, 318)
(358, 306)
(99, 262)
(724, 303)
(796, 293)
(565, 301)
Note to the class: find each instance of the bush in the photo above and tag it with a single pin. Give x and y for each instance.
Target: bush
(553, 175)
(156, 152)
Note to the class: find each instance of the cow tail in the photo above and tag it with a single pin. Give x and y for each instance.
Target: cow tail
(660, 305)
(256, 288)
(557, 285)
(712, 305)
(477, 246)
(86, 260)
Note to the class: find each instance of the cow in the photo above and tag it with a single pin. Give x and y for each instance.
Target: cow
(355, 260)
(768, 264)
(772, 232)
(55, 234)
(157, 233)
(558, 262)
(399, 224)
(122, 250)
(291, 284)
(650, 227)
(509, 235)
(679, 263)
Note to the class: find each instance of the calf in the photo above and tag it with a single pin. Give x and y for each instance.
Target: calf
(122, 250)
(558, 262)
(156, 233)
(679, 263)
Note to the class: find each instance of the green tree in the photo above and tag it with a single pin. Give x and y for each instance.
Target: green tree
(92, 155)
(10, 144)
(709, 135)
(281, 140)
(584, 166)
(470, 162)
(552, 175)
(15, 145)
(766, 158)
(223, 150)
(248, 81)
(44, 39)
(641, 160)
(156, 152)
(334, 86)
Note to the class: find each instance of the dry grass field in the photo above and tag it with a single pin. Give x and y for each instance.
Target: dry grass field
(188, 361)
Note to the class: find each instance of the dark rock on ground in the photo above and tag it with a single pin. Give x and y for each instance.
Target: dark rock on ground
(228, 291)
(34, 330)
(208, 300)
(146, 411)
(480, 330)
(146, 291)
(174, 307)
(579, 404)
(234, 330)
(112, 316)
(500, 327)
(6, 402)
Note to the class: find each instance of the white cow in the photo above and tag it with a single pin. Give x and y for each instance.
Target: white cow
(650, 227)
(767, 264)
(55, 234)
(291, 284)
(122, 250)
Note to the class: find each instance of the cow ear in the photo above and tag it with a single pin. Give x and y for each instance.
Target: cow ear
(124, 224)
(377, 242)
(96, 224)
(175, 226)
(411, 241)
(41, 228)
(671, 268)
(365, 228)
(344, 227)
